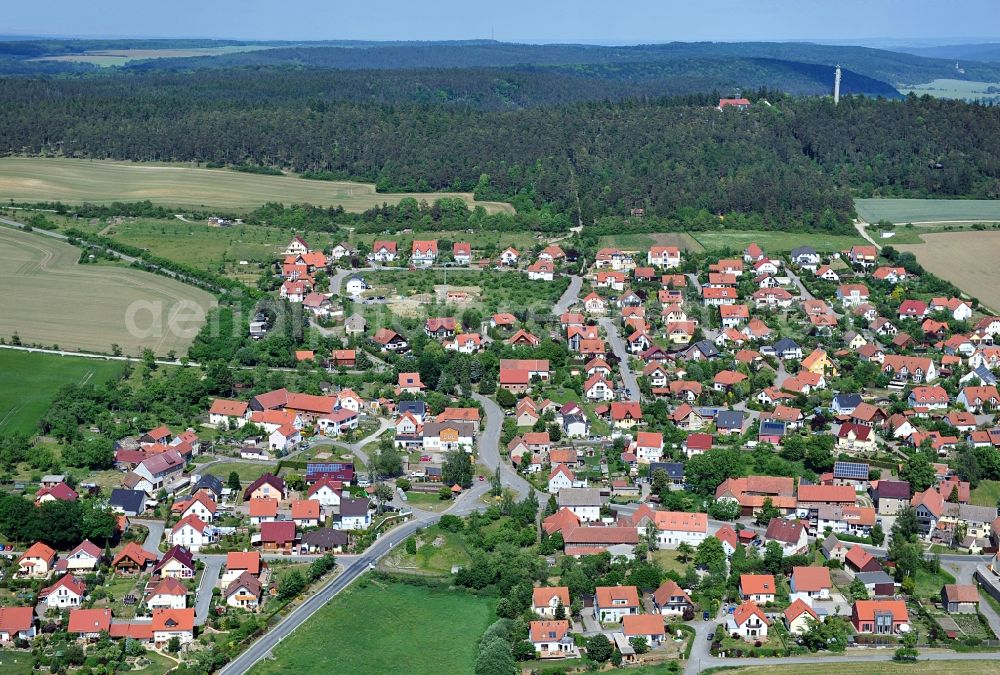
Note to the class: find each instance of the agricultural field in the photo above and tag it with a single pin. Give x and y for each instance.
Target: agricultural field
(642, 242)
(966, 259)
(374, 628)
(29, 381)
(918, 211)
(774, 242)
(119, 57)
(966, 90)
(50, 299)
(73, 181)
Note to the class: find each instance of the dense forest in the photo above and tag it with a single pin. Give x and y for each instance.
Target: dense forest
(789, 160)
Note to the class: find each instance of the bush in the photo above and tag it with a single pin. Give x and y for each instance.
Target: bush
(411, 545)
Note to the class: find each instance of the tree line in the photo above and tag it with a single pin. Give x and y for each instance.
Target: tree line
(795, 163)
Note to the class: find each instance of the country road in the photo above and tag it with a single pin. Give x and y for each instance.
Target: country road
(570, 296)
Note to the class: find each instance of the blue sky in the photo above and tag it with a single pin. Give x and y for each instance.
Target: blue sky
(608, 21)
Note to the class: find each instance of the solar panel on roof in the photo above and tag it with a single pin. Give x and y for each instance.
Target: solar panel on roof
(854, 470)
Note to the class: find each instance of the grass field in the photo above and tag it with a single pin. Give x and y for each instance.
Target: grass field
(774, 242)
(928, 210)
(966, 259)
(49, 299)
(642, 242)
(206, 247)
(14, 662)
(29, 381)
(984, 667)
(958, 89)
(987, 493)
(669, 560)
(929, 585)
(248, 472)
(386, 629)
(72, 181)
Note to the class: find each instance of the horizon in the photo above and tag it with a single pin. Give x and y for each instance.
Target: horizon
(553, 22)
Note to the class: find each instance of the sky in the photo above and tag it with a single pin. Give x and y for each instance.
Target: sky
(601, 21)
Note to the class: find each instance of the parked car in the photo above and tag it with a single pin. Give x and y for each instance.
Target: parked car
(482, 477)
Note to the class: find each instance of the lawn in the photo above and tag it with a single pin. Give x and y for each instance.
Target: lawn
(669, 560)
(73, 181)
(157, 664)
(929, 585)
(428, 501)
(928, 210)
(49, 299)
(248, 472)
(874, 668)
(438, 551)
(28, 382)
(377, 628)
(14, 662)
(775, 242)
(987, 493)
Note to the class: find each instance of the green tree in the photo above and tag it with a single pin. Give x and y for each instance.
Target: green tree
(505, 399)
(767, 512)
(684, 552)
(711, 555)
(291, 585)
(707, 471)
(457, 469)
(919, 472)
(773, 557)
(877, 535)
(599, 648)
(639, 644)
(233, 482)
(495, 658)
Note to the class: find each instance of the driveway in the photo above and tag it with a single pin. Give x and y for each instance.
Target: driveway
(618, 347)
(489, 449)
(209, 578)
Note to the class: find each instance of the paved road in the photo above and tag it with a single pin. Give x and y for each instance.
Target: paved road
(489, 448)
(209, 577)
(618, 347)
(570, 297)
(804, 293)
(152, 542)
(857, 657)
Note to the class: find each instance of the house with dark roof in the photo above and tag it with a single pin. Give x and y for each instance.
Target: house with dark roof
(268, 486)
(890, 496)
(791, 534)
(729, 422)
(128, 502)
(325, 540)
(178, 562)
(210, 484)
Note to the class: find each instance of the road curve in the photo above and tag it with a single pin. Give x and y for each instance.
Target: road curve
(618, 346)
(489, 447)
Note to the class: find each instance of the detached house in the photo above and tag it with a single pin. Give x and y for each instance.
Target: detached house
(664, 256)
(37, 561)
(547, 599)
(424, 253)
(671, 600)
(68, 591)
(881, 617)
(551, 639)
(612, 603)
(757, 587)
(748, 621)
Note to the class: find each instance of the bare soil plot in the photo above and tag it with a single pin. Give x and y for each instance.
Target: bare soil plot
(73, 181)
(966, 259)
(50, 299)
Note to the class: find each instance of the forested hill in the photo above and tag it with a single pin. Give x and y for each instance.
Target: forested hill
(887, 66)
(788, 160)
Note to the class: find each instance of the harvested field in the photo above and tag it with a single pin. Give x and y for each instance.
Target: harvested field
(119, 57)
(966, 259)
(73, 181)
(50, 299)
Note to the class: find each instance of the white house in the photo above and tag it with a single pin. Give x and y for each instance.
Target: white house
(585, 503)
(676, 527)
(561, 478)
(68, 591)
(225, 412)
(326, 493)
(354, 514)
(192, 533)
(284, 438)
(355, 285)
(648, 446)
(168, 594)
(748, 621)
(84, 557)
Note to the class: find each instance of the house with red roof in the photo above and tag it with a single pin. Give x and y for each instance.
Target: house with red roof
(88, 624)
(611, 603)
(168, 593)
(547, 599)
(676, 527)
(193, 533)
(748, 621)
(671, 600)
(17, 623)
(859, 560)
(551, 639)
(423, 253)
(36, 562)
(60, 492)
(68, 591)
(881, 617)
(798, 616)
(811, 581)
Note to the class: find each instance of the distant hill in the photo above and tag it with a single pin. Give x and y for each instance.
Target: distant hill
(986, 52)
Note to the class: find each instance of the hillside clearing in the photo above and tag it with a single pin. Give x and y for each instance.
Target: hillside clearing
(642, 242)
(50, 299)
(74, 181)
(774, 241)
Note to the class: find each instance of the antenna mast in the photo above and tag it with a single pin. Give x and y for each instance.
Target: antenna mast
(836, 86)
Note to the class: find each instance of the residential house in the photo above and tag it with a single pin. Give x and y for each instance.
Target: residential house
(551, 639)
(789, 533)
(240, 562)
(36, 562)
(132, 560)
(584, 503)
(881, 617)
(355, 514)
(88, 624)
(798, 617)
(676, 527)
(244, 591)
(811, 581)
(546, 600)
(279, 536)
(172, 623)
(646, 626)
(17, 623)
(890, 496)
(612, 603)
(68, 591)
(169, 593)
(860, 560)
(268, 486)
(671, 600)
(748, 621)
(758, 587)
(177, 562)
(192, 533)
